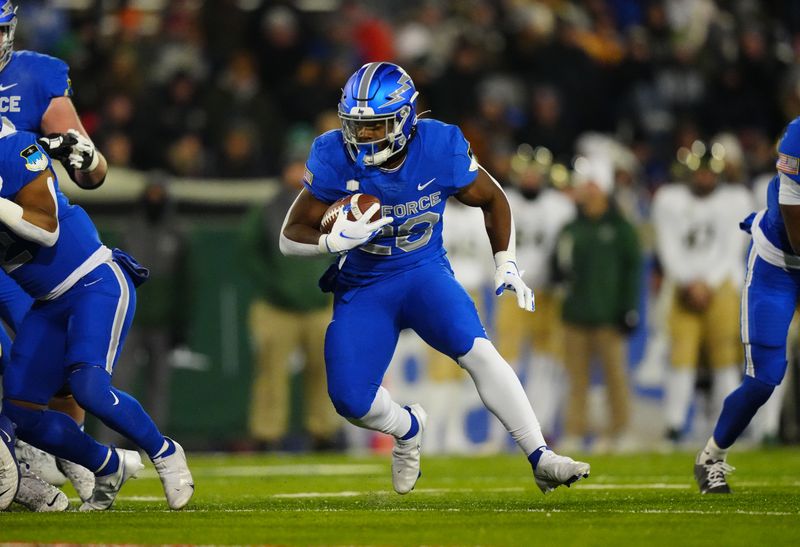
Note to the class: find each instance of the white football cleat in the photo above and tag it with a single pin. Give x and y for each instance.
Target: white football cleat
(405, 455)
(9, 469)
(107, 487)
(81, 478)
(38, 495)
(553, 471)
(173, 470)
(41, 463)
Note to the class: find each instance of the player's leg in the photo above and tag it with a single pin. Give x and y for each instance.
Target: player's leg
(321, 420)
(100, 309)
(768, 303)
(81, 478)
(359, 344)
(611, 348)
(35, 374)
(442, 313)
(14, 305)
(577, 361)
(269, 407)
(510, 332)
(685, 330)
(723, 345)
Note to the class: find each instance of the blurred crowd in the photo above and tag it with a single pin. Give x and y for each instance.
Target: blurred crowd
(584, 109)
(232, 88)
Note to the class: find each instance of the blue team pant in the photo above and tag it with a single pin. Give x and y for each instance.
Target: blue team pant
(14, 302)
(769, 300)
(85, 325)
(367, 321)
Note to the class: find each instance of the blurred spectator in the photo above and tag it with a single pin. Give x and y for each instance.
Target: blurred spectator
(238, 97)
(630, 68)
(598, 258)
(240, 156)
(533, 342)
(289, 314)
(156, 239)
(701, 251)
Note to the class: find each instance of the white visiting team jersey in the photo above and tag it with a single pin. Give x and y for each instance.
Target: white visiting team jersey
(467, 245)
(698, 238)
(538, 223)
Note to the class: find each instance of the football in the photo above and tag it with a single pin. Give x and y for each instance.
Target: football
(355, 206)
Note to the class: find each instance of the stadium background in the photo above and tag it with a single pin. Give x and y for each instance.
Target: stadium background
(212, 97)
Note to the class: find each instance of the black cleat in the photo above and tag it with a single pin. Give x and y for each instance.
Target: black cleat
(711, 476)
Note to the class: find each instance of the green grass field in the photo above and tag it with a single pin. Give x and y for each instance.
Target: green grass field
(340, 500)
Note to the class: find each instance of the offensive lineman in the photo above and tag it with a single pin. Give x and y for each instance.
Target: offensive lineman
(35, 93)
(85, 298)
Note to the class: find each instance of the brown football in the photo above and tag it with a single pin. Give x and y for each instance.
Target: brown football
(356, 205)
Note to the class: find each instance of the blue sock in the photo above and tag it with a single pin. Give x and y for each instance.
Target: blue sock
(536, 454)
(91, 387)
(58, 434)
(414, 426)
(739, 408)
(167, 449)
(110, 466)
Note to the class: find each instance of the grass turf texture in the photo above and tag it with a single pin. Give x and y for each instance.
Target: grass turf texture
(339, 500)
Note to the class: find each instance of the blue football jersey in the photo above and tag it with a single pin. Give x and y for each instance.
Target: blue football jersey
(27, 84)
(438, 164)
(772, 222)
(38, 270)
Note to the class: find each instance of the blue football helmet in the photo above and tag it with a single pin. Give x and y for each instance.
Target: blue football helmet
(378, 112)
(8, 24)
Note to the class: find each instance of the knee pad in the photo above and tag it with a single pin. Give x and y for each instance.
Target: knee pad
(757, 391)
(766, 363)
(91, 388)
(351, 403)
(26, 419)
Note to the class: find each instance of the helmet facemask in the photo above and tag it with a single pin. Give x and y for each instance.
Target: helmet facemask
(365, 140)
(8, 26)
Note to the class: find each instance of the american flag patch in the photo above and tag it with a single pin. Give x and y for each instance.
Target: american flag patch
(308, 176)
(788, 164)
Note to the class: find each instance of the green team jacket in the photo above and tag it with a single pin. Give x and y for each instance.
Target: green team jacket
(286, 282)
(600, 264)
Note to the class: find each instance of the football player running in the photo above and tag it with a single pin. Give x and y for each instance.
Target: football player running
(35, 93)
(85, 298)
(393, 274)
(769, 299)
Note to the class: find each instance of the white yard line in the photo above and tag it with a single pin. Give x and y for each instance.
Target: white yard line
(327, 470)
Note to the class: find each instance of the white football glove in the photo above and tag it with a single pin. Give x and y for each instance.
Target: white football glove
(83, 156)
(507, 276)
(72, 149)
(349, 234)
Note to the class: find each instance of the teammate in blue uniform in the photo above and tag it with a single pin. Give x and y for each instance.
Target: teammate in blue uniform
(393, 274)
(769, 300)
(35, 95)
(85, 299)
